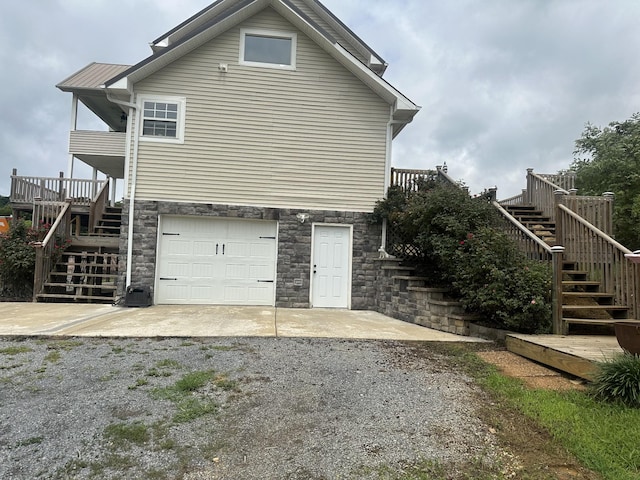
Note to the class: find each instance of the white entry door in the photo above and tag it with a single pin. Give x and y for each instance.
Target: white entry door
(331, 273)
(203, 260)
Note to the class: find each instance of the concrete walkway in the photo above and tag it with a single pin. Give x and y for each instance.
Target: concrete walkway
(58, 319)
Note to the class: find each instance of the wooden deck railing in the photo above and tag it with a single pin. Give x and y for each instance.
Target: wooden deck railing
(541, 193)
(97, 207)
(600, 255)
(565, 181)
(530, 245)
(52, 244)
(25, 189)
(409, 179)
(598, 211)
(45, 212)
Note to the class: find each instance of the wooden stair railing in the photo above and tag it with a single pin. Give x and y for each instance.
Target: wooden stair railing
(53, 243)
(604, 258)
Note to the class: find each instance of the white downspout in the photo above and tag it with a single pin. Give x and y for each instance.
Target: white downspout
(387, 176)
(134, 174)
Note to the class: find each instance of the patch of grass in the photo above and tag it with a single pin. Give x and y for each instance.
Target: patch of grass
(435, 470)
(64, 344)
(117, 350)
(183, 392)
(11, 351)
(168, 363)
(30, 441)
(122, 434)
(112, 462)
(139, 383)
(154, 372)
(603, 437)
(53, 356)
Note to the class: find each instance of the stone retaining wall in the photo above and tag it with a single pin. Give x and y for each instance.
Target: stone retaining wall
(404, 296)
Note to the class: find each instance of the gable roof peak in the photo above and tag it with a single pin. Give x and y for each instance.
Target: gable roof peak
(222, 8)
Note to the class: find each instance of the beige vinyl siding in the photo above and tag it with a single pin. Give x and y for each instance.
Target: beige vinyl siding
(90, 142)
(311, 138)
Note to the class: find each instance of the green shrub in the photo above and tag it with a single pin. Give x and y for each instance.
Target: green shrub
(618, 380)
(492, 278)
(464, 248)
(17, 259)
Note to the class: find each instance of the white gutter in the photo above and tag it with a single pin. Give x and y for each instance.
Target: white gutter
(387, 174)
(134, 175)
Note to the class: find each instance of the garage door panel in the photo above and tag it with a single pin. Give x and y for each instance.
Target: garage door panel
(204, 248)
(174, 269)
(203, 270)
(236, 271)
(179, 247)
(228, 274)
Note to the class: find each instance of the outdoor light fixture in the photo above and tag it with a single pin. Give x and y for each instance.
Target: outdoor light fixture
(302, 217)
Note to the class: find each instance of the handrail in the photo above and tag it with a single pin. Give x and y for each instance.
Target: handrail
(541, 192)
(594, 229)
(531, 236)
(408, 179)
(442, 173)
(598, 211)
(595, 251)
(45, 250)
(96, 209)
(515, 200)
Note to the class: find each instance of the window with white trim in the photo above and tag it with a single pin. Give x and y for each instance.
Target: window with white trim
(163, 119)
(267, 48)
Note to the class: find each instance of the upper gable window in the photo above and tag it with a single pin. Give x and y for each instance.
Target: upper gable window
(163, 119)
(267, 48)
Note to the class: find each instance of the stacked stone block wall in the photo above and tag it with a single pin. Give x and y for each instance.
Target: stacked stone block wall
(403, 296)
(293, 280)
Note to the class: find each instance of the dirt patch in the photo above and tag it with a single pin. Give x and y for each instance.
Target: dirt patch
(531, 373)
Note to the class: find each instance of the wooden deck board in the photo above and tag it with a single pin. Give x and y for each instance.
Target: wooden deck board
(574, 354)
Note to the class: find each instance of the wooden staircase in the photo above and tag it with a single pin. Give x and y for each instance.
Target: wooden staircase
(585, 308)
(110, 222)
(87, 269)
(584, 305)
(543, 227)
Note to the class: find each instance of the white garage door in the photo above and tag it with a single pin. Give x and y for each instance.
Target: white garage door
(216, 261)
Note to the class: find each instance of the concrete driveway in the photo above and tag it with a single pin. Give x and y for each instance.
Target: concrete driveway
(57, 319)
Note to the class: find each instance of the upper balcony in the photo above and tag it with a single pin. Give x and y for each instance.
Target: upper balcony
(104, 151)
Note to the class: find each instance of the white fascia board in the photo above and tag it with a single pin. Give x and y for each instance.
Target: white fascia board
(122, 84)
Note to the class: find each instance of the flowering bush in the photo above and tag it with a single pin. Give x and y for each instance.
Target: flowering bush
(17, 260)
(465, 249)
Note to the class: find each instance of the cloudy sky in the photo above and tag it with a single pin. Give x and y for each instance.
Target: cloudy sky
(504, 84)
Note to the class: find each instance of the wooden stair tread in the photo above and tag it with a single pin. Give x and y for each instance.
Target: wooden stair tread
(80, 274)
(597, 321)
(588, 294)
(580, 282)
(595, 307)
(74, 297)
(81, 285)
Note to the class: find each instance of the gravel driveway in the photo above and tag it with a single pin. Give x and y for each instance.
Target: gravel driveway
(268, 408)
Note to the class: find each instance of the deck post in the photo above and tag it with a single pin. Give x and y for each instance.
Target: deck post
(38, 275)
(556, 291)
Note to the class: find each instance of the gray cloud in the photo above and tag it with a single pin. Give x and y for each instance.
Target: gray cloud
(504, 85)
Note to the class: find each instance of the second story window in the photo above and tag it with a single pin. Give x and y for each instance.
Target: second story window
(266, 48)
(163, 119)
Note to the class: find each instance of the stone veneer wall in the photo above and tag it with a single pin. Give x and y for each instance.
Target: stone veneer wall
(403, 296)
(294, 247)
